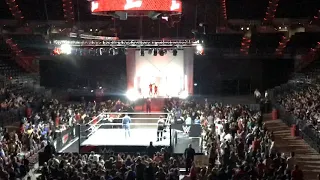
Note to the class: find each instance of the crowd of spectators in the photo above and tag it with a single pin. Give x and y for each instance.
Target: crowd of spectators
(40, 118)
(302, 101)
(15, 96)
(238, 146)
(237, 143)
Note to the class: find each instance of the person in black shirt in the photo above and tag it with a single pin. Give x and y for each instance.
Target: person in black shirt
(161, 175)
(140, 168)
(149, 172)
(49, 151)
(151, 150)
(189, 157)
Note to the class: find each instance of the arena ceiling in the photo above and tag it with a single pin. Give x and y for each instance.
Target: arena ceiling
(252, 9)
(236, 9)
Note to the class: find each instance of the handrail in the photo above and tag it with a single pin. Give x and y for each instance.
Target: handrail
(130, 124)
(137, 113)
(306, 132)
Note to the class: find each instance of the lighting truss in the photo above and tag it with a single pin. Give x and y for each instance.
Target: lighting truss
(129, 43)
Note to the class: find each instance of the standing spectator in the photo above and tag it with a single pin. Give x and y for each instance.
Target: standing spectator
(140, 167)
(296, 174)
(291, 161)
(189, 154)
(49, 150)
(257, 95)
(161, 175)
(151, 150)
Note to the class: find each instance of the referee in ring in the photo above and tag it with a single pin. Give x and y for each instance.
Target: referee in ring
(160, 129)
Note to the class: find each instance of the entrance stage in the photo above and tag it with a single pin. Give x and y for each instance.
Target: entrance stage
(160, 75)
(157, 105)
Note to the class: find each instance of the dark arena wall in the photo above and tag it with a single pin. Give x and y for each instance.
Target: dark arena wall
(213, 74)
(77, 72)
(220, 76)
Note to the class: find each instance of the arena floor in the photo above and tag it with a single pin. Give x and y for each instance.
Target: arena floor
(116, 137)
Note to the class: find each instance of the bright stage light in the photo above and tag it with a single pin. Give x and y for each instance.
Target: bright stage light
(199, 48)
(132, 95)
(65, 49)
(183, 95)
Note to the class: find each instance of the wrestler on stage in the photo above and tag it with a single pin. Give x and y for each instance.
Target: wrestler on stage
(160, 129)
(126, 120)
(150, 89)
(155, 90)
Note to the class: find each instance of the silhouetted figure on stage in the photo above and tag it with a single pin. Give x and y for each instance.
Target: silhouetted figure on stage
(189, 157)
(150, 89)
(155, 90)
(161, 127)
(148, 104)
(140, 91)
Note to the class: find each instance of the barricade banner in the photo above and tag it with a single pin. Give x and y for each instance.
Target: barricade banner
(64, 137)
(193, 130)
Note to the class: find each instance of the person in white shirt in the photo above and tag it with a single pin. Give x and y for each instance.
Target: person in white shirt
(101, 161)
(222, 135)
(210, 120)
(36, 117)
(219, 127)
(228, 137)
(2, 153)
(188, 120)
(257, 95)
(71, 120)
(271, 147)
(222, 146)
(266, 95)
(217, 120)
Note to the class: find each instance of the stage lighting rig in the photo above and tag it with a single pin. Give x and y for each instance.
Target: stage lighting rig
(180, 43)
(113, 47)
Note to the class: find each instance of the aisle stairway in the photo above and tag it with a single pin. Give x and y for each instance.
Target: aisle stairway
(157, 105)
(307, 158)
(245, 45)
(144, 118)
(12, 69)
(24, 61)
